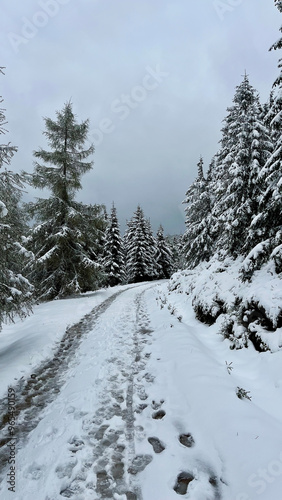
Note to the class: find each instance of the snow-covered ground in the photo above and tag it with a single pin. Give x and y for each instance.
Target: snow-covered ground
(25, 344)
(147, 407)
(242, 309)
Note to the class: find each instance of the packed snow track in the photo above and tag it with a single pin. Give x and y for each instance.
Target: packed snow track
(79, 415)
(137, 404)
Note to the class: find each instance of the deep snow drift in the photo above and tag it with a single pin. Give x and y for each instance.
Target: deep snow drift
(148, 407)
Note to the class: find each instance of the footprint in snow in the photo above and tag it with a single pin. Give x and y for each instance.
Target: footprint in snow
(149, 378)
(158, 446)
(186, 440)
(101, 431)
(158, 415)
(139, 463)
(182, 482)
(141, 407)
(141, 393)
(139, 432)
(131, 496)
(117, 470)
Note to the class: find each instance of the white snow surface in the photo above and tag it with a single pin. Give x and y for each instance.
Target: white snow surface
(218, 282)
(146, 349)
(25, 344)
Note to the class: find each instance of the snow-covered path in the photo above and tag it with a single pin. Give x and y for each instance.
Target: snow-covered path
(144, 408)
(85, 442)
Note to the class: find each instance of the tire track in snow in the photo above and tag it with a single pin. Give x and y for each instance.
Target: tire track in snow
(35, 393)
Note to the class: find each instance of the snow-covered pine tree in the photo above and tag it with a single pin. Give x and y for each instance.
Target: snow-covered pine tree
(266, 110)
(138, 251)
(245, 146)
(163, 255)
(197, 239)
(66, 240)
(113, 259)
(176, 245)
(266, 228)
(15, 289)
(154, 268)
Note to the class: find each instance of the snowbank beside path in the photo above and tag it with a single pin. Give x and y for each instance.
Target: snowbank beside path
(237, 452)
(245, 311)
(25, 344)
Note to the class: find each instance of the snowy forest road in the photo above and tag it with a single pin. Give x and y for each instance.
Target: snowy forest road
(35, 393)
(75, 451)
(109, 416)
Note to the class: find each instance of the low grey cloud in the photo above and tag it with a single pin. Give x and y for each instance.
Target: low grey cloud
(154, 78)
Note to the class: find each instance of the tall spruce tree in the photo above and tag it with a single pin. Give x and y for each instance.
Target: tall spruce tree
(163, 255)
(245, 146)
(176, 245)
(15, 289)
(154, 268)
(265, 237)
(138, 249)
(197, 238)
(113, 260)
(66, 240)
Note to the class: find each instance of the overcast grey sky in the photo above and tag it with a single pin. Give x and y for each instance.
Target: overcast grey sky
(153, 76)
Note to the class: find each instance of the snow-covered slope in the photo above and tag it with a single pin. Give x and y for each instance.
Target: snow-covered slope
(148, 407)
(245, 311)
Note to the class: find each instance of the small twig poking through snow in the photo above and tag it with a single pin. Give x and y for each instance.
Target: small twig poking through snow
(229, 367)
(242, 394)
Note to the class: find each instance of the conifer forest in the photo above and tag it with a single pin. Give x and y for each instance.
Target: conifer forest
(137, 362)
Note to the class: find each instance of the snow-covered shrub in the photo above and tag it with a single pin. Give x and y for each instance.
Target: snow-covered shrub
(246, 312)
